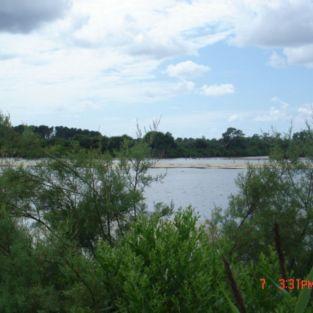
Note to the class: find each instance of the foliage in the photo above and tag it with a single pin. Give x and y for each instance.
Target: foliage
(273, 211)
(42, 141)
(23, 287)
(279, 193)
(86, 197)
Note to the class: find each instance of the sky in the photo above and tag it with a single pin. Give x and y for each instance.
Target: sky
(197, 66)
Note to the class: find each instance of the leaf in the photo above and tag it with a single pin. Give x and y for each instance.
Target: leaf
(232, 306)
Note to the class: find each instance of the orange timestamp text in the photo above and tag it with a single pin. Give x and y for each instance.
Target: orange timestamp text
(289, 283)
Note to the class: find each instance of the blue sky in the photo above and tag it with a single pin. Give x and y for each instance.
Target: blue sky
(199, 66)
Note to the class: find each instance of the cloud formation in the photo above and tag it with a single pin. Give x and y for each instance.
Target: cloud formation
(283, 24)
(279, 23)
(104, 53)
(306, 110)
(217, 90)
(186, 69)
(302, 55)
(22, 16)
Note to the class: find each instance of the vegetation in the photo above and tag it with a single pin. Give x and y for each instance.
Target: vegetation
(75, 237)
(40, 141)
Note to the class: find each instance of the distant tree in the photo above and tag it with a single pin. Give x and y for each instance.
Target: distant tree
(19, 128)
(161, 145)
(8, 137)
(201, 143)
(232, 134)
(116, 143)
(61, 140)
(43, 131)
(234, 141)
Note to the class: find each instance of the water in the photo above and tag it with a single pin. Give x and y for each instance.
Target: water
(203, 189)
(222, 163)
(201, 183)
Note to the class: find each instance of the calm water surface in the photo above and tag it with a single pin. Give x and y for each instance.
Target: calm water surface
(202, 188)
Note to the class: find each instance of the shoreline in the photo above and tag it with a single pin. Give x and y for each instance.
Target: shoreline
(182, 163)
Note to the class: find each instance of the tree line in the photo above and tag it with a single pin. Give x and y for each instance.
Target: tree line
(31, 141)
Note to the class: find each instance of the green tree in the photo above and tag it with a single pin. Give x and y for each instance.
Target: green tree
(274, 207)
(8, 138)
(161, 145)
(234, 141)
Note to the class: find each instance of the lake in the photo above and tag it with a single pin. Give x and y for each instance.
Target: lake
(201, 183)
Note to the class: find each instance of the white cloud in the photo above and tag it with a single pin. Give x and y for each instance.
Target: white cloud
(165, 90)
(186, 69)
(302, 55)
(275, 23)
(114, 49)
(306, 110)
(217, 90)
(159, 29)
(167, 28)
(282, 24)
